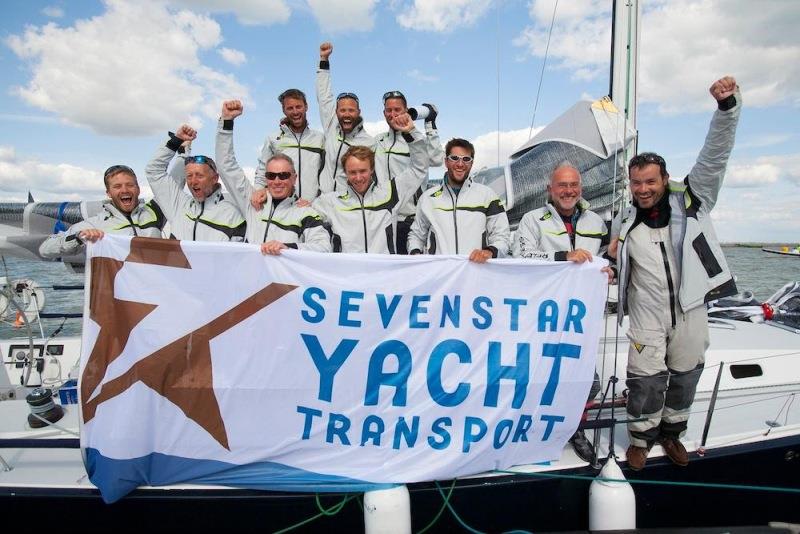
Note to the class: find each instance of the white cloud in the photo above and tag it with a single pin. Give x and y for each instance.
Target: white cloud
(232, 56)
(420, 76)
(126, 86)
(752, 175)
(376, 128)
(57, 181)
(685, 45)
(54, 12)
(441, 15)
(248, 12)
(486, 154)
(344, 15)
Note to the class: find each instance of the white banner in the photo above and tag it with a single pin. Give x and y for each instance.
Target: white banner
(210, 363)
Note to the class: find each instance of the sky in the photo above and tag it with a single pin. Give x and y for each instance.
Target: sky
(87, 84)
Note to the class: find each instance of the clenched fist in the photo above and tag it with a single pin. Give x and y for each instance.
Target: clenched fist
(231, 109)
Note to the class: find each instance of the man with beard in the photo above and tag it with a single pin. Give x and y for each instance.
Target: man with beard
(460, 216)
(565, 230)
(280, 224)
(122, 214)
(303, 145)
(342, 123)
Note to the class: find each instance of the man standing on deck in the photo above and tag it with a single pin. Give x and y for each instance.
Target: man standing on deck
(392, 157)
(670, 265)
(565, 230)
(460, 216)
(203, 215)
(306, 147)
(341, 122)
(122, 214)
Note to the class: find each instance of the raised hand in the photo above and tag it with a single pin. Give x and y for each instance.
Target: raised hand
(231, 109)
(402, 122)
(325, 51)
(186, 133)
(723, 88)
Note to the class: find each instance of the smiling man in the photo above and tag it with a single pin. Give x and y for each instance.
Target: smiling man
(123, 213)
(204, 214)
(342, 123)
(670, 265)
(460, 216)
(305, 147)
(280, 223)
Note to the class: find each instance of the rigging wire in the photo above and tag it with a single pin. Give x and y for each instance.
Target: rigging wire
(544, 63)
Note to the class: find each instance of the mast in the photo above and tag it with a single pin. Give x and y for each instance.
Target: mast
(624, 76)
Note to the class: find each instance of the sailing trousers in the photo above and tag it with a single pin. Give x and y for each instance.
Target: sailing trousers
(667, 345)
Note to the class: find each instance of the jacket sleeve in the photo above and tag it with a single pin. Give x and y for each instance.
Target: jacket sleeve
(705, 178)
(321, 205)
(166, 191)
(498, 234)
(267, 151)
(416, 173)
(435, 148)
(65, 243)
(315, 237)
(327, 106)
(528, 238)
(230, 172)
(418, 234)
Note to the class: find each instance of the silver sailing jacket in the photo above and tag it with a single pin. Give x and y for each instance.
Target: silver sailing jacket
(294, 226)
(542, 233)
(704, 273)
(392, 157)
(307, 150)
(333, 177)
(146, 220)
(215, 219)
(369, 223)
(450, 223)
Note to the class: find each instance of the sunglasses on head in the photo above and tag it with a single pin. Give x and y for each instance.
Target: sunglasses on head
(285, 175)
(202, 160)
(647, 158)
(114, 169)
(346, 95)
(465, 159)
(392, 94)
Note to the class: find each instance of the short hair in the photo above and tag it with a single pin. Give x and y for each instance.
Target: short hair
(292, 93)
(565, 164)
(281, 156)
(460, 143)
(394, 94)
(364, 153)
(115, 170)
(644, 159)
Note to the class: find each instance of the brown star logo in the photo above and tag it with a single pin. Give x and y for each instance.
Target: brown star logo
(180, 371)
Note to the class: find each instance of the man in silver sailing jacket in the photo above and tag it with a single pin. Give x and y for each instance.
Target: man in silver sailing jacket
(392, 156)
(203, 215)
(279, 224)
(123, 213)
(565, 230)
(363, 218)
(306, 147)
(670, 265)
(460, 216)
(341, 122)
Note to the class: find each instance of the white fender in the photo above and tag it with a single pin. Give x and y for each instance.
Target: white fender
(612, 505)
(387, 511)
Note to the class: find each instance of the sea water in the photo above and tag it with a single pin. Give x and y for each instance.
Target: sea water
(757, 271)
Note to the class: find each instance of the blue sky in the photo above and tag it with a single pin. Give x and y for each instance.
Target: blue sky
(88, 84)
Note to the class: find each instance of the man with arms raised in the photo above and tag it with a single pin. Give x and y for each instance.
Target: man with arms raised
(305, 147)
(460, 216)
(123, 213)
(279, 224)
(392, 156)
(565, 230)
(342, 123)
(363, 218)
(670, 265)
(203, 215)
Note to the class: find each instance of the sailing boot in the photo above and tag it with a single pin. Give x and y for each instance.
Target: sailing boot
(582, 447)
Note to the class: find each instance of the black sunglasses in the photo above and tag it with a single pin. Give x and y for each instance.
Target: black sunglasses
(202, 160)
(115, 169)
(346, 95)
(285, 175)
(393, 94)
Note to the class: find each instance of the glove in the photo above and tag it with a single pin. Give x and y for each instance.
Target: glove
(432, 114)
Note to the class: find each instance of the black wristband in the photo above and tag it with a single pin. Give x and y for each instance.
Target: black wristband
(560, 256)
(408, 137)
(227, 124)
(415, 252)
(174, 143)
(727, 103)
(493, 250)
(291, 245)
(324, 64)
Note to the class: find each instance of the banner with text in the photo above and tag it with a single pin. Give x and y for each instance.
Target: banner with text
(212, 364)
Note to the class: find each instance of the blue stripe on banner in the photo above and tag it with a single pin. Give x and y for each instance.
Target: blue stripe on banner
(116, 478)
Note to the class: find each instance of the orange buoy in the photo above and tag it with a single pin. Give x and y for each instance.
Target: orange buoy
(19, 321)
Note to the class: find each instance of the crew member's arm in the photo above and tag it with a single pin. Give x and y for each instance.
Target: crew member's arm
(67, 243)
(327, 105)
(166, 191)
(435, 148)
(498, 234)
(420, 228)
(413, 176)
(230, 172)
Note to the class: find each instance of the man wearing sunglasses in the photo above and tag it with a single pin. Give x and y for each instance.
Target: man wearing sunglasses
(670, 265)
(123, 213)
(341, 122)
(460, 216)
(204, 214)
(280, 224)
(392, 157)
(363, 218)
(306, 147)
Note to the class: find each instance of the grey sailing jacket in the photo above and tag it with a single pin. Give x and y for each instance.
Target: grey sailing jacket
(541, 233)
(307, 150)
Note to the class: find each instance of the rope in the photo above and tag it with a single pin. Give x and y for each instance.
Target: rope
(544, 63)
(333, 510)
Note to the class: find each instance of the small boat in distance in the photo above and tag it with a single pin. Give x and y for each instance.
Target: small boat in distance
(785, 250)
